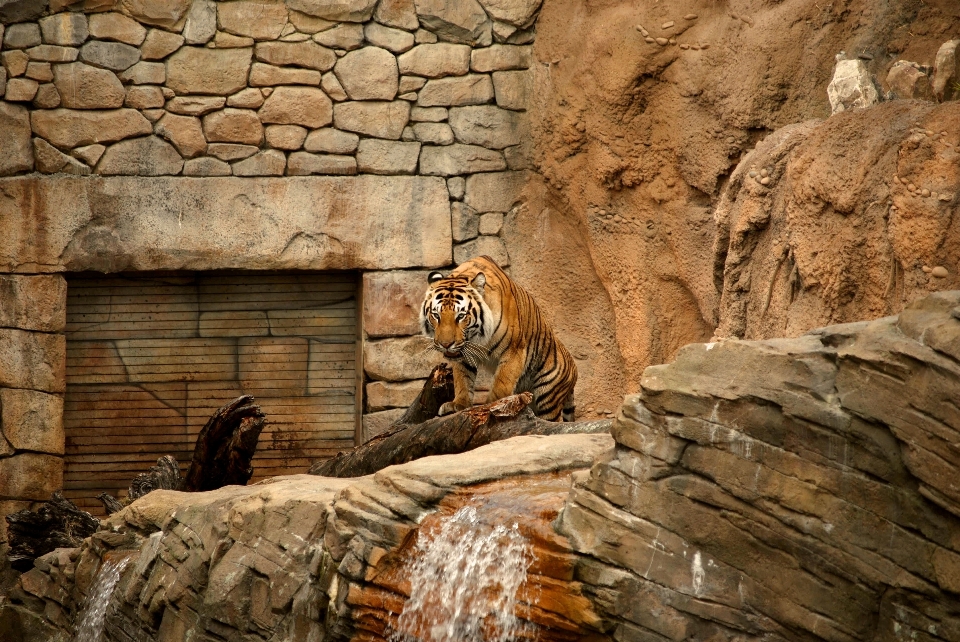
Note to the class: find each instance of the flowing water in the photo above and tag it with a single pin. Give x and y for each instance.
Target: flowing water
(464, 579)
(94, 612)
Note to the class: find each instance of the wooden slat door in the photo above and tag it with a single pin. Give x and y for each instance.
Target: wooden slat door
(150, 356)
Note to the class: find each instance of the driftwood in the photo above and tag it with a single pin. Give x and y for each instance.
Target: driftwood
(58, 523)
(225, 447)
(165, 475)
(456, 433)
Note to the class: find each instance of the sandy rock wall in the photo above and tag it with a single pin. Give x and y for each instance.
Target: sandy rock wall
(787, 489)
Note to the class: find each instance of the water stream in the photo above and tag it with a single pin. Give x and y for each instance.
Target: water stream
(92, 616)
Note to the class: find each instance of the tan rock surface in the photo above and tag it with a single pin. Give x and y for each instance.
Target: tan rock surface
(145, 73)
(399, 359)
(397, 13)
(32, 420)
(116, 26)
(336, 10)
(331, 141)
(305, 164)
(83, 86)
(436, 60)
(485, 125)
(33, 302)
(287, 137)
(69, 29)
(68, 128)
(197, 70)
(233, 126)
(185, 132)
(473, 89)
(262, 75)
(387, 156)
(369, 73)
(159, 44)
(15, 129)
(373, 118)
(50, 160)
(462, 21)
(382, 395)
(257, 20)
(32, 360)
(147, 156)
(301, 54)
(206, 166)
(162, 13)
(195, 105)
(392, 301)
(112, 55)
(451, 160)
(306, 106)
(30, 476)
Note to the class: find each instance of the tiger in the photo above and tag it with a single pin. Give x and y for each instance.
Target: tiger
(478, 317)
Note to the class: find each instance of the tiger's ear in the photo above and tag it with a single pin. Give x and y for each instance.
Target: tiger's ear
(478, 282)
(434, 276)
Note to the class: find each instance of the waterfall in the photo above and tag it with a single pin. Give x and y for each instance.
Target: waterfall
(464, 581)
(94, 612)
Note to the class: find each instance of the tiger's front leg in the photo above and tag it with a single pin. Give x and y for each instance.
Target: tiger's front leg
(464, 378)
(508, 374)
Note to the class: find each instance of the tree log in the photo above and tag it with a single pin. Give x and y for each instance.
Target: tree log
(456, 433)
(165, 475)
(225, 447)
(58, 523)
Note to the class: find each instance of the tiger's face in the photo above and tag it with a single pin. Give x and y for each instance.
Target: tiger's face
(455, 316)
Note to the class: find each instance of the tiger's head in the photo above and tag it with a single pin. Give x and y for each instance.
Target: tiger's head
(456, 317)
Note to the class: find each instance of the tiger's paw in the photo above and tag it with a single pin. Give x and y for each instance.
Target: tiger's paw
(449, 408)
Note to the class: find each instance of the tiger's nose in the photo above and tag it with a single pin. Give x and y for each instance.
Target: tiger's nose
(446, 344)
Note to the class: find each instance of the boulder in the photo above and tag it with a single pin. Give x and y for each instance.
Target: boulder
(392, 301)
(472, 89)
(462, 21)
(852, 87)
(67, 128)
(907, 80)
(257, 20)
(387, 156)
(31, 420)
(83, 86)
(946, 72)
(373, 118)
(436, 60)
(148, 156)
(15, 131)
(307, 106)
(369, 73)
(198, 70)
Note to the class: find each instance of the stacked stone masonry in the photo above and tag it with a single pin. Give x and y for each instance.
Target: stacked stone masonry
(414, 93)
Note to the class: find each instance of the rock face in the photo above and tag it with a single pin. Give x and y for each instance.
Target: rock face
(791, 487)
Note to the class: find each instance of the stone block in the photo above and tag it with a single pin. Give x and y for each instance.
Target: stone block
(206, 166)
(224, 40)
(159, 44)
(946, 72)
(30, 476)
(300, 54)
(89, 154)
(387, 157)
(286, 137)
(399, 359)
(457, 159)
(67, 128)
(32, 360)
(436, 60)
(201, 22)
(373, 118)
(306, 23)
(185, 132)
(377, 423)
(464, 221)
(21, 90)
(270, 162)
(51, 160)
(513, 88)
(424, 37)
(15, 132)
(305, 164)
(231, 151)
(492, 246)
(198, 70)
(336, 10)
(429, 114)
(435, 133)
(851, 87)
(383, 395)
(472, 89)
(262, 75)
(462, 21)
(112, 55)
(331, 141)
(147, 156)
(410, 84)
(83, 86)
(160, 13)
(21, 36)
(257, 20)
(491, 223)
(116, 26)
(494, 192)
(343, 36)
(39, 71)
(456, 186)
(15, 62)
(68, 28)
(53, 53)
(144, 97)
(485, 125)
(369, 73)
(392, 301)
(176, 223)
(195, 105)
(501, 58)
(332, 87)
(307, 106)
(33, 302)
(145, 73)
(519, 13)
(32, 420)
(233, 126)
(246, 99)
(907, 80)
(395, 40)
(47, 97)
(397, 13)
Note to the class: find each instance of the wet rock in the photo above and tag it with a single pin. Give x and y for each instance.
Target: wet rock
(852, 87)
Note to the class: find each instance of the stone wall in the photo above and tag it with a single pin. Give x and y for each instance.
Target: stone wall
(387, 137)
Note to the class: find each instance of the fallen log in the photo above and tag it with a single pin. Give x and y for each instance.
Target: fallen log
(58, 523)
(451, 434)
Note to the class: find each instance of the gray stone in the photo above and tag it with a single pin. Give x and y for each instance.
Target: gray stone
(456, 185)
(197, 70)
(32, 420)
(53, 53)
(492, 246)
(31, 476)
(436, 133)
(32, 360)
(33, 302)
(116, 26)
(331, 141)
(300, 54)
(453, 160)
(344, 36)
(262, 75)
(473, 89)
(392, 301)
(396, 40)
(133, 223)
(485, 125)
(83, 86)
(257, 20)
(501, 58)
(148, 156)
(907, 80)
(201, 24)
(369, 73)
(428, 114)
(306, 106)
(305, 163)
(145, 73)
(111, 55)
(519, 13)
(513, 88)
(21, 90)
(3, 81)
(461, 21)
(195, 105)
(332, 87)
(12, 11)
(159, 44)
(68, 128)
(382, 395)
(68, 28)
(377, 423)
(47, 97)
(50, 160)
(387, 157)
(270, 162)
(852, 87)
(231, 151)
(378, 119)
(336, 10)
(400, 359)
(436, 60)
(946, 72)
(494, 192)
(21, 36)
(397, 13)
(464, 221)
(15, 132)
(206, 166)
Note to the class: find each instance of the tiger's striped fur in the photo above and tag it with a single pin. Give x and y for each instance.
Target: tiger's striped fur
(479, 318)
